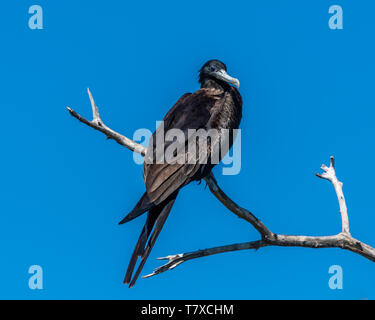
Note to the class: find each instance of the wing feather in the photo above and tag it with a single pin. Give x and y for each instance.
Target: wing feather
(192, 111)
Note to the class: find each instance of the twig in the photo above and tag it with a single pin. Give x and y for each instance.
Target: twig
(343, 240)
(99, 125)
(177, 259)
(330, 175)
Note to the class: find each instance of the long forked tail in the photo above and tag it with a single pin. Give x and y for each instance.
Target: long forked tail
(157, 216)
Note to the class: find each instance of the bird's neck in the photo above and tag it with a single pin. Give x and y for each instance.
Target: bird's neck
(209, 83)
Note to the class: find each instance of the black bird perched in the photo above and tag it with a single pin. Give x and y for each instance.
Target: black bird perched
(217, 105)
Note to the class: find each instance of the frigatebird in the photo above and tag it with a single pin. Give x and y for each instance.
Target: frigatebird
(216, 105)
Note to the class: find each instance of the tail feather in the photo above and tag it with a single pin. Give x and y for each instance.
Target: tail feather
(141, 207)
(140, 246)
(133, 259)
(157, 215)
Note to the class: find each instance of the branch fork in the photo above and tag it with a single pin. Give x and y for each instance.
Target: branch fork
(343, 240)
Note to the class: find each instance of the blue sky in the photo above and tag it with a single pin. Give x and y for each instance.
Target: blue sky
(308, 94)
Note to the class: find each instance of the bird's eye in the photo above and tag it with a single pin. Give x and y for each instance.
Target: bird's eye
(212, 68)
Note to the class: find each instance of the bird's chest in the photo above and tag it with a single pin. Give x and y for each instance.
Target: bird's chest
(225, 117)
(225, 113)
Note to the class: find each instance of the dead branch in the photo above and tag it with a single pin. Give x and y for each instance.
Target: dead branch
(343, 240)
(97, 124)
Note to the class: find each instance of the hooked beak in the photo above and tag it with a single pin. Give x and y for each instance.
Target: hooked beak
(222, 75)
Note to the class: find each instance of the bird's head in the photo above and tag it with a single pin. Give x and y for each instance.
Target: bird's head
(216, 70)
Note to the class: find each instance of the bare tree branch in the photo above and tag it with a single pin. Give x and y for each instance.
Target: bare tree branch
(236, 209)
(330, 175)
(343, 240)
(177, 259)
(337, 241)
(99, 125)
